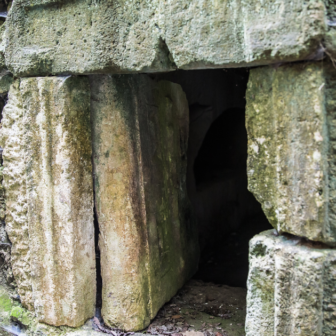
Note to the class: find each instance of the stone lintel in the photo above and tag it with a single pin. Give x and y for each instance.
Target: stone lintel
(85, 37)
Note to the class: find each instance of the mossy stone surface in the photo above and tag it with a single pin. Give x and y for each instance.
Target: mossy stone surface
(290, 120)
(21, 315)
(5, 301)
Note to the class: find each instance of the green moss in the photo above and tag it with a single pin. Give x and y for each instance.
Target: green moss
(20, 314)
(5, 302)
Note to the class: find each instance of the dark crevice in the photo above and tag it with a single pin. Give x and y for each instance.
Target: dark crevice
(98, 267)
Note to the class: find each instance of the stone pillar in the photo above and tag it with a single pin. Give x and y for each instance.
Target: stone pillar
(49, 197)
(291, 287)
(291, 113)
(148, 242)
(291, 127)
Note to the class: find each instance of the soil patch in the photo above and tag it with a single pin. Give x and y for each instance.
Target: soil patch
(213, 310)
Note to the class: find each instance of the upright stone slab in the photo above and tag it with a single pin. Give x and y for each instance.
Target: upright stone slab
(148, 241)
(291, 287)
(291, 125)
(46, 137)
(90, 36)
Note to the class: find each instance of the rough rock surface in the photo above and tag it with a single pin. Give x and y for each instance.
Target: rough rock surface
(46, 137)
(291, 287)
(62, 37)
(291, 113)
(148, 241)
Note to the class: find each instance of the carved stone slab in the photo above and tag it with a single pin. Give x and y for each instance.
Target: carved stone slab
(46, 137)
(148, 240)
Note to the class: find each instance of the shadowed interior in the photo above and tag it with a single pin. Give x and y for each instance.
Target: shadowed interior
(228, 214)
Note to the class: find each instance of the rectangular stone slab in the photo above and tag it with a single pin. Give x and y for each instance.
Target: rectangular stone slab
(85, 36)
(148, 239)
(46, 136)
(291, 287)
(291, 114)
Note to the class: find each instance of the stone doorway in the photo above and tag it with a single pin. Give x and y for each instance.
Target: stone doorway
(228, 215)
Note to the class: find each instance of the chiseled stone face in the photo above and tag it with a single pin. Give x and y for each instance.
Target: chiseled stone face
(291, 287)
(46, 137)
(148, 240)
(91, 36)
(291, 112)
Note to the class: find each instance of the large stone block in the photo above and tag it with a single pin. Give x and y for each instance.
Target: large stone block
(46, 137)
(291, 287)
(291, 113)
(148, 240)
(61, 37)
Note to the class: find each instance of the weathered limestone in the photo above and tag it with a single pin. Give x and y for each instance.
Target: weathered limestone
(291, 113)
(46, 137)
(61, 37)
(84, 37)
(148, 243)
(291, 287)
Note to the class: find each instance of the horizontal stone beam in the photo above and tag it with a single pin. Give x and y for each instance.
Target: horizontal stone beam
(46, 137)
(291, 148)
(148, 238)
(117, 36)
(291, 287)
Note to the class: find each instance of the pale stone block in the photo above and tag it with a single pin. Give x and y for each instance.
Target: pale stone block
(291, 128)
(291, 287)
(148, 240)
(85, 36)
(46, 137)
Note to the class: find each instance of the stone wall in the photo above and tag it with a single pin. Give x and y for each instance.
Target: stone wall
(290, 123)
(139, 141)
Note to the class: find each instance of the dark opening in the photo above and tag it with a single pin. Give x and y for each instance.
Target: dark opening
(228, 214)
(4, 6)
(98, 266)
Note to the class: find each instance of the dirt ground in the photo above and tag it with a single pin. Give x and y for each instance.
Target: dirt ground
(202, 308)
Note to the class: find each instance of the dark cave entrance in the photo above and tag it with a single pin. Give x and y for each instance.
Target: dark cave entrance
(228, 215)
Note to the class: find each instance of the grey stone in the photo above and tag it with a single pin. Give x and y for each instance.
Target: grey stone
(148, 241)
(291, 287)
(46, 138)
(90, 36)
(290, 119)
